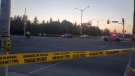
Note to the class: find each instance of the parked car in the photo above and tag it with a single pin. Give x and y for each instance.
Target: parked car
(67, 36)
(113, 37)
(85, 36)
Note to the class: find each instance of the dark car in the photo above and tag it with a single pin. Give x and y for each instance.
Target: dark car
(67, 36)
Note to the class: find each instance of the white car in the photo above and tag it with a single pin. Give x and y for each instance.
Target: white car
(113, 37)
(85, 36)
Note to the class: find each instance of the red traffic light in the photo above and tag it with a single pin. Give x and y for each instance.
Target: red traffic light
(25, 23)
(108, 21)
(75, 23)
(88, 22)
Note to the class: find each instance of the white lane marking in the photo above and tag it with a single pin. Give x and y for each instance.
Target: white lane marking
(46, 67)
(128, 65)
(101, 46)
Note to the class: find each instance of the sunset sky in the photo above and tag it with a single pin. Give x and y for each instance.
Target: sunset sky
(114, 10)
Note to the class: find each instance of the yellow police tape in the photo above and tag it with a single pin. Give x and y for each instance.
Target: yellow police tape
(14, 59)
(132, 69)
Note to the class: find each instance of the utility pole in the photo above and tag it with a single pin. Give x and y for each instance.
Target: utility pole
(123, 27)
(24, 21)
(4, 30)
(133, 29)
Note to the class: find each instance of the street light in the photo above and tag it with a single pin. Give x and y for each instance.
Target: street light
(81, 17)
(97, 24)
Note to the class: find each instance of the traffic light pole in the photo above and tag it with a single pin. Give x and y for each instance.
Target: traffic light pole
(4, 30)
(123, 31)
(24, 22)
(97, 28)
(24, 30)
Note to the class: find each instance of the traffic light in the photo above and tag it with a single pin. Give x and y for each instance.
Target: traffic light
(88, 22)
(123, 20)
(75, 23)
(108, 21)
(25, 23)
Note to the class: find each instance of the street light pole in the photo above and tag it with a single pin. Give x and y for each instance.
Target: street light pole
(97, 25)
(81, 23)
(81, 17)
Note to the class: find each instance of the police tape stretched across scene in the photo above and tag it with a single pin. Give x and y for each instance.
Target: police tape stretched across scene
(15, 59)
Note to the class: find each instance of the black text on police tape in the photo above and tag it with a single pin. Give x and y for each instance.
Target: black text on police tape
(61, 57)
(8, 57)
(31, 60)
(79, 55)
(127, 50)
(30, 55)
(41, 55)
(61, 53)
(96, 53)
(9, 62)
(112, 52)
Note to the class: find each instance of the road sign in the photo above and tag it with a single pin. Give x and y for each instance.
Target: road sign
(114, 21)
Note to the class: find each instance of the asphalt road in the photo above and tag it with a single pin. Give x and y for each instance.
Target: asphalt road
(112, 65)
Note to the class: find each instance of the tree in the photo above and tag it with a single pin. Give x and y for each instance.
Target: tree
(18, 17)
(54, 27)
(11, 18)
(21, 17)
(26, 17)
(43, 22)
(106, 32)
(15, 18)
(50, 20)
(35, 20)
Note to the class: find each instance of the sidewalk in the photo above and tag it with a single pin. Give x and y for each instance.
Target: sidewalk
(16, 74)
